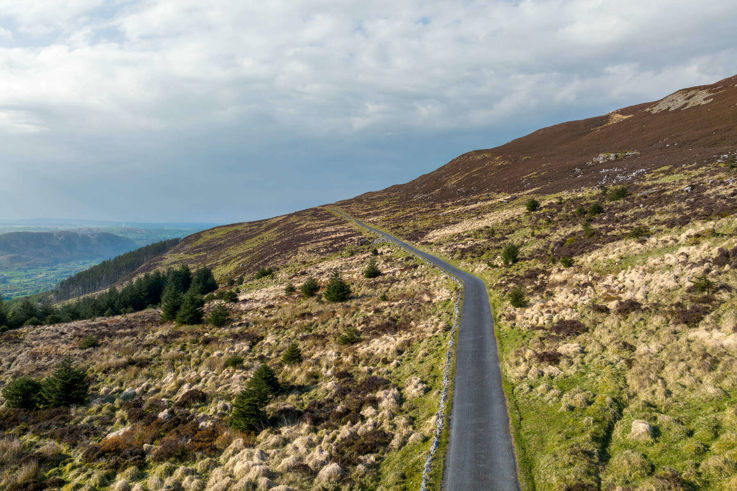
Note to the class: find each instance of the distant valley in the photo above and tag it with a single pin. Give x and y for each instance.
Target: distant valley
(36, 255)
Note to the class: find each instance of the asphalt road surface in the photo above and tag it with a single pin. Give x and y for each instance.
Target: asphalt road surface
(480, 454)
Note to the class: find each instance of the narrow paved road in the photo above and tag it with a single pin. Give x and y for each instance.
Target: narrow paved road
(480, 454)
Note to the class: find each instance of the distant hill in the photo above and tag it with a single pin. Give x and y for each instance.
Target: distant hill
(109, 272)
(35, 249)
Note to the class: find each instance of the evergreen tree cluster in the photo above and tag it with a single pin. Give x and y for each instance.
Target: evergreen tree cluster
(177, 290)
(66, 386)
(109, 272)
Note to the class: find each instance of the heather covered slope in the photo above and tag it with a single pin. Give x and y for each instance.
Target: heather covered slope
(690, 126)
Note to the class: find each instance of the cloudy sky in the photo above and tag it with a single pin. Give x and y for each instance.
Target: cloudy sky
(230, 110)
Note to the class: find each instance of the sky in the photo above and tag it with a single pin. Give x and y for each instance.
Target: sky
(233, 110)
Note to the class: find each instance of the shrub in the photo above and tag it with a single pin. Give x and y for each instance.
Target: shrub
(337, 290)
(23, 393)
(595, 209)
(89, 342)
(289, 289)
(219, 316)
(374, 251)
(517, 297)
(191, 310)
(235, 361)
(383, 297)
(292, 355)
(588, 230)
(638, 232)
(264, 272)
(66, 386)
(230, 296)
(349, 336)
(566, 261)
(703, 284)
(617, 193)
(372, 270)
(309, 288)
(532, 204)
(580, 210)
(510, 254)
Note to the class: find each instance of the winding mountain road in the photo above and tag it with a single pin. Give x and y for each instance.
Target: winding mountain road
(480, 453)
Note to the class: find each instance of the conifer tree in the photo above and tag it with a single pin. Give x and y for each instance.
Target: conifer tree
(372, 270)
(337, 290)
(292, 355)
(67, 386)
(219, 315)
(171, 301)
(22, 393)
(309, 288)
(265, 379)
(203, 281)
(191, 310)
(3, 314)
(248, 410)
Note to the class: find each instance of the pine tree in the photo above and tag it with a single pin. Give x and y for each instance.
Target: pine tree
(265, 379)
(67, 386)
(219, 315)
(191, 310)
(292, 355)
(203, 281)
(309, 288)
(171, 301)
(372, 270)
(181, 278)
(22, 393)
(248, 410)
(337, 290)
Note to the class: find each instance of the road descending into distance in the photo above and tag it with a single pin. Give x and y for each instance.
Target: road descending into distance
(480, 453)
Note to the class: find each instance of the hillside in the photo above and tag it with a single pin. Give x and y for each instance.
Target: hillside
(609, 248)
(33, 249)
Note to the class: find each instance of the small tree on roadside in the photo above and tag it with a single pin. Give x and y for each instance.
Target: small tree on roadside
(510, 254)
(337, 290)
(219, 316)
(66, 386)
(292, 355)
(372, 270)
(191, 310)
(22, 393)
(309, 288)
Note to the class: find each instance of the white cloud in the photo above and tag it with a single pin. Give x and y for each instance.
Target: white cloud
(75, 72)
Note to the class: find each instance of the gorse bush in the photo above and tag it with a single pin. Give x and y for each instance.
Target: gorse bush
(372, 270)
(263, 273)
(532, 204)
(292, 355)
(349, 336)
(337, 290)
(517, 297)
(89, 342)
(219, 316)
(23, 393)
(235, 361)
(595, 209)
(309, 288)
(616, 193)
(510, 254)
(66, 386)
